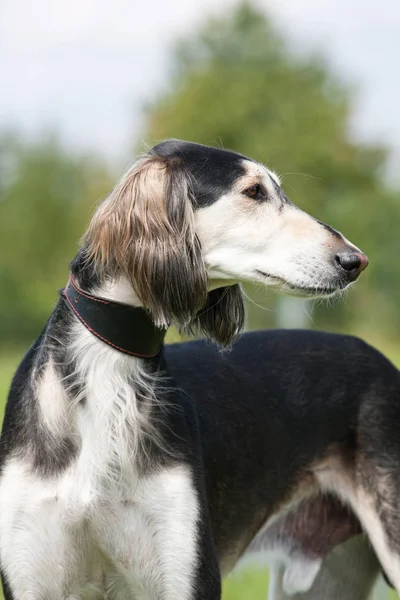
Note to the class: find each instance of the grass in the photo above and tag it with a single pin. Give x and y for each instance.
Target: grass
(8, 364)
(251, 584)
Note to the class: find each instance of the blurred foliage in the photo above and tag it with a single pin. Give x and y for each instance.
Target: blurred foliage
(237, 84)
(234, 83)
(46, 196)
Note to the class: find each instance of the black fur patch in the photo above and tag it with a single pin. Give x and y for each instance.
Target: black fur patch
(7, 593)
(266, 415)
(213, 170)
(84, 272)
(23, 431)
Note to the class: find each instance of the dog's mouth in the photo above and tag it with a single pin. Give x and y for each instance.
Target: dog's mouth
(317, 291)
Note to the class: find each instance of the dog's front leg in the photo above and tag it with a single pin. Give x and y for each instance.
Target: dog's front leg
(159, 540)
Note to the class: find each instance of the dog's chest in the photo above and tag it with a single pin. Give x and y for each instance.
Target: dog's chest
(98, 526)
(100, 537)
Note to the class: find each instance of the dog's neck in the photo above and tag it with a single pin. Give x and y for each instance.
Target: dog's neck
(118, 290)
(112, 311)
(115, 391)
(128, 329)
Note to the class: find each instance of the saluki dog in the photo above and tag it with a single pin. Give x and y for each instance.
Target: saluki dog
(129, 470)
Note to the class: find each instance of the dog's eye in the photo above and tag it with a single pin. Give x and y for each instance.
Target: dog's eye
(254, 191)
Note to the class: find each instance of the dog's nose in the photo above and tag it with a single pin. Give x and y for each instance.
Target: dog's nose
(352, 262)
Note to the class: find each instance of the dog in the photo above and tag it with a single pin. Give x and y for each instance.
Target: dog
(349, 572)
(132, 470)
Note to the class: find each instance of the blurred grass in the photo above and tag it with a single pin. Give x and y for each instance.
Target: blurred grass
(251, 584)
(8, 363)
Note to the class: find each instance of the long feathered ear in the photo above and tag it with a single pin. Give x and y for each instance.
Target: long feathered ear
(222, 317)
(144, 230)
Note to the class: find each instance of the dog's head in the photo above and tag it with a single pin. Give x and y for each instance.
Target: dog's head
(188, 223)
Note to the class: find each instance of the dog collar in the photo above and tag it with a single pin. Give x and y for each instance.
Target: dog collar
(125, 328)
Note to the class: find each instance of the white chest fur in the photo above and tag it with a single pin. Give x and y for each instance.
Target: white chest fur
(98, 527)
(62, 541)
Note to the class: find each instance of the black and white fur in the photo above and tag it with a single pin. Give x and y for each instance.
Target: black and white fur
(124, 477)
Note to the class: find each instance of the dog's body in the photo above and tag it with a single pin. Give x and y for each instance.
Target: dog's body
(270, 456)
(147, 475)
(258, 422)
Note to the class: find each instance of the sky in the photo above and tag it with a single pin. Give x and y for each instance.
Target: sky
(84, 68)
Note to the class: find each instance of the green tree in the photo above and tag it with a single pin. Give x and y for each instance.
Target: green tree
(46, 196)
(236, 83)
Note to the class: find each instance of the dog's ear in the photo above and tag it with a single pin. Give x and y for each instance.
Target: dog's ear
(144, 230)
(222, 317)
